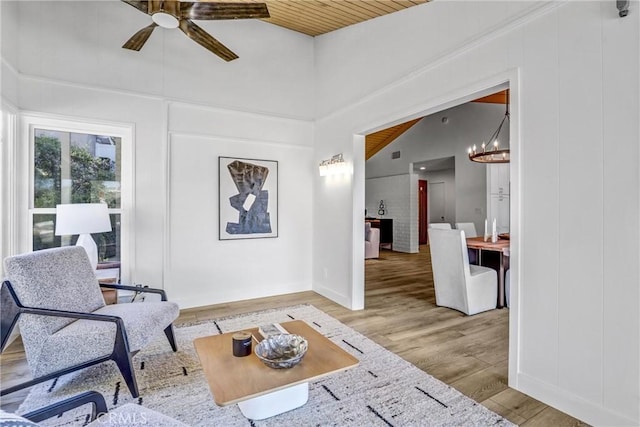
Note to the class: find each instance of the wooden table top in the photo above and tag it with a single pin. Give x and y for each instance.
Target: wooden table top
(234, 379)
(502, 245)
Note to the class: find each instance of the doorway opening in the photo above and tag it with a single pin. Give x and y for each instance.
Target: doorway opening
(430, 198)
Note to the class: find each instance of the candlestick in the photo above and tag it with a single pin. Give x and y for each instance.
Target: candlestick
(494, 232)
(486, 230)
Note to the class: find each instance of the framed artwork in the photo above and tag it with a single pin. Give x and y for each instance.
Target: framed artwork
(248, 198)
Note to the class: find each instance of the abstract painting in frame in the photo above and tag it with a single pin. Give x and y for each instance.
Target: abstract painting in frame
(248, 192)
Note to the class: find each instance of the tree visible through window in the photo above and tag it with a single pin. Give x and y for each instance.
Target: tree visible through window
(75, 168)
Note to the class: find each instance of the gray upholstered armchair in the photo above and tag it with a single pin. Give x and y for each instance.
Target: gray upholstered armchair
(64, 321)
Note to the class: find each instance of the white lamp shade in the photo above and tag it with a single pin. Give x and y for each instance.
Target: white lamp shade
(82, 218)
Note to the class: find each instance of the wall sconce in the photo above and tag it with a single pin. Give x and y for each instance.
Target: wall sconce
(623, 7)
(333, 166)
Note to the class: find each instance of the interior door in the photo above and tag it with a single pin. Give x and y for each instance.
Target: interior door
(423, 224)
(436, 201)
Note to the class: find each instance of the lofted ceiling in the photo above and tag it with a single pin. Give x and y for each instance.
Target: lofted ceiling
(376, 141)
(316, 17)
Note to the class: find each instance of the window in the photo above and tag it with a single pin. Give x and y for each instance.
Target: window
(79, 163)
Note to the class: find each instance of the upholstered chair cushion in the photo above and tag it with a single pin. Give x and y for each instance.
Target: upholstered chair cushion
(59, 279)
(143, 322)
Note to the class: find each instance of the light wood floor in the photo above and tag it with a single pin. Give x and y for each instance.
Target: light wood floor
(468, 353)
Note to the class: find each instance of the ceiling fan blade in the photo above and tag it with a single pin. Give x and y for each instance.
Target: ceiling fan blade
(140, 38)
(203, 38)
(209, 11)
(141, 5)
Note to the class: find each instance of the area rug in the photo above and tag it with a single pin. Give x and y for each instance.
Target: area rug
(383, 390)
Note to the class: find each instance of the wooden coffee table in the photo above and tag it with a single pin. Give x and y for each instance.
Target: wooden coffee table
(260, 391)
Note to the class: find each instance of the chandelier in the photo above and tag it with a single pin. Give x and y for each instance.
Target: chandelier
(491, 152)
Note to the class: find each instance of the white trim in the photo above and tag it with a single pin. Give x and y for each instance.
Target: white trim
(515, 224)
(166, 161)
(358, 192)
(508, 79)
(570, 403)
(139, 94)
(225, 139)
(341, 299)
(24, 207)
(8, 144)
(128, 204)
(9, 66)
(215, 108)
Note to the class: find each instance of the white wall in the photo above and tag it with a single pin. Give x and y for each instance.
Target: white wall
(573, 69)
(9, 46)
(81, 41)
(187, 107)
(199, 267)
(399, 203)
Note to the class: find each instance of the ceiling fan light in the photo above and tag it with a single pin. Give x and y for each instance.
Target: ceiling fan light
(165, 20)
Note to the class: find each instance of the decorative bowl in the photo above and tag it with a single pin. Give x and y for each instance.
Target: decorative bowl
(282, 351)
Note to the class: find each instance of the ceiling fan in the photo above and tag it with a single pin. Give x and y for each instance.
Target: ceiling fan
(174, 14)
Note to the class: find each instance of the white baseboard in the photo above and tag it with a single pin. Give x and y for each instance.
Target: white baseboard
(573, 405)
(332, 295)
(226, 294)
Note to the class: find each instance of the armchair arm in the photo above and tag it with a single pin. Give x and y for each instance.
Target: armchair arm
(72, 314)
(99, 406)
(138, 289)
(12, 308)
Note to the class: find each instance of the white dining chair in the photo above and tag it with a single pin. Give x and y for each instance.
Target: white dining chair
(440, 225)
(467, 288)
(470, 231)
(468, 227)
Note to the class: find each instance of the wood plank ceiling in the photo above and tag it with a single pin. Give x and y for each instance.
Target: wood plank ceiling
(316, 17)
(376, 141)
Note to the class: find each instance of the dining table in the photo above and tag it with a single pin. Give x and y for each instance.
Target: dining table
(502, 245)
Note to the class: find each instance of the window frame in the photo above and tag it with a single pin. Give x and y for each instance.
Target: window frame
(8, 141)
(31, 122)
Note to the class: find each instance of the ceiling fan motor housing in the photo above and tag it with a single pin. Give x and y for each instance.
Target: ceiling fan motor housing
(165, 13)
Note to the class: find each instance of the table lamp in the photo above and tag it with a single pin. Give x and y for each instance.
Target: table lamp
(83, 219)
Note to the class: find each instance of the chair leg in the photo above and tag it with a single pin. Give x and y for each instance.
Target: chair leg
(125, 365)
(168, 331)
(122, 357)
